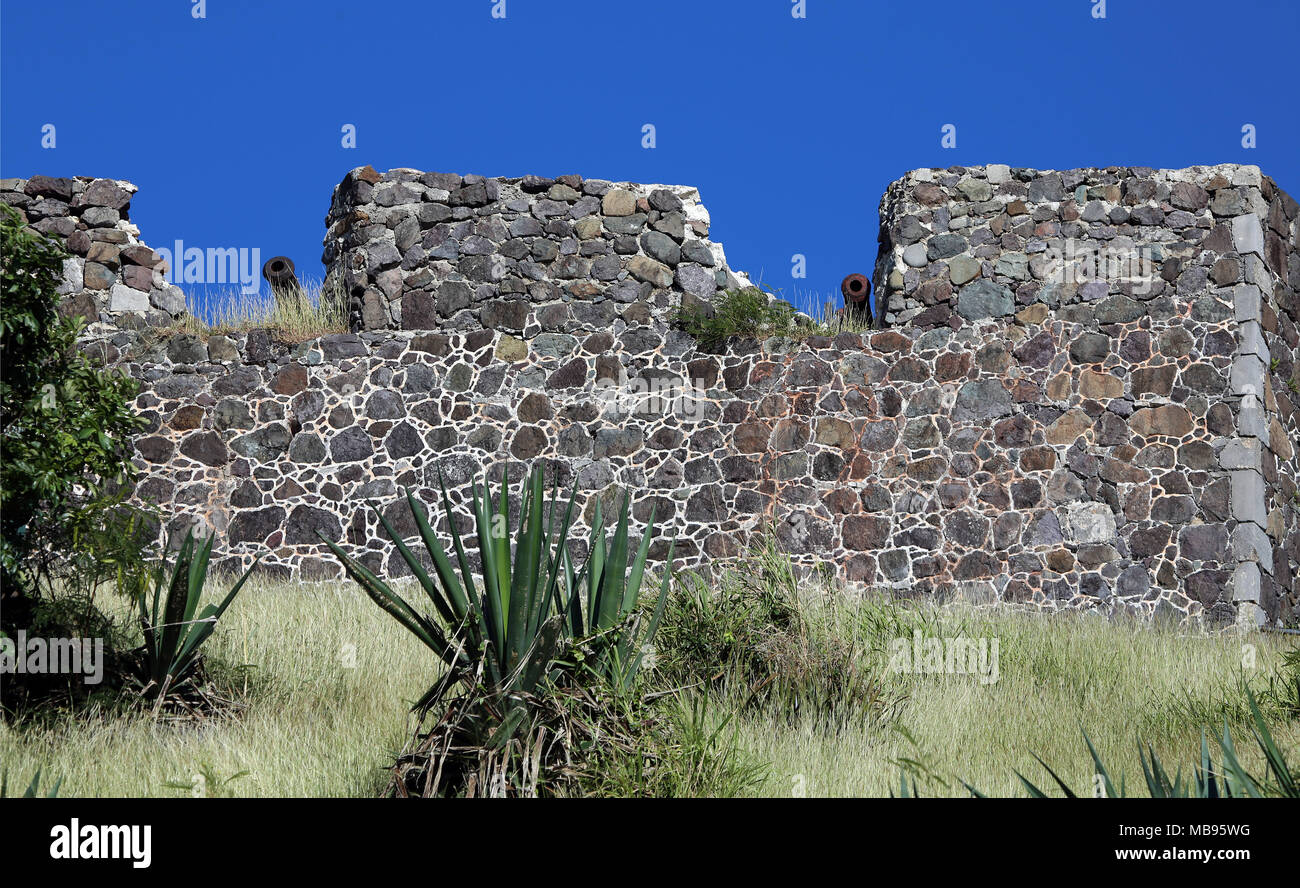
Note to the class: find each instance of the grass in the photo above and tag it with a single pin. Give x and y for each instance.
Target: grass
(751, 313)
(318, 312)
(1057, 675)
(318, 718)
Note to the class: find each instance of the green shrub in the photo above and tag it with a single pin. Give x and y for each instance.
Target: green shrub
(682, 751)
(743, 312)
(749, 634)
(515, 621)
(65, 425)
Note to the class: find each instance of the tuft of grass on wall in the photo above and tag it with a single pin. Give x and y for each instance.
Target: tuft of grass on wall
(317, 310)
(756, 313)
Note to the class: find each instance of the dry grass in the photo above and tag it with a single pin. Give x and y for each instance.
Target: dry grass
(318, 311)
(316, 722)
(1057, 676)
(320, 718)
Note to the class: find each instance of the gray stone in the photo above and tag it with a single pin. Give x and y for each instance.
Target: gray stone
(170, 299)
(1203, 542)
(124, 298)
(263, 444)
(1248, 497)
(1013, 265)
(983, 399)
(1248, 235)
(351, 445)
(1090, 522)
(307, 448)
(944, 246)
(1246, 582)
(1251, 543)
(1244, 453)
(1246, 302)
(985, 299)
(963, 269)
(915, 256)
(661, 247)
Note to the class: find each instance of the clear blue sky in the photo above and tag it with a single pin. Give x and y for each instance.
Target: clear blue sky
(791, 128)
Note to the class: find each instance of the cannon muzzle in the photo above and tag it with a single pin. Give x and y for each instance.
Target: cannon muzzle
(856, 290)
(278, 272)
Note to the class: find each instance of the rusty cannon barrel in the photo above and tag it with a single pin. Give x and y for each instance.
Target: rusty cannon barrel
(278, 272)
(856, 290)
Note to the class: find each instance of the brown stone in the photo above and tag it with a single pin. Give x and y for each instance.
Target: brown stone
(97, 277)
(1171, 420)
(290, 381)
(511, 349)
(840, 501)
(952, 365)
(890, 341)
(1037, 459)
(528, 442)
(1100, 385)
(1058, 387)
(1122, 473)
(789, 435)
(1069, 428)
(1060, 560)
(643, 268)
(571, 375)
(1033, 314)
(930, 194)
(835, 433)
(752, 437)
(1153, 381)
(81, 305)
(139, 254)
(1280, 441)
(186, 418)
(865, 533)
(105, 254)
(535, 407)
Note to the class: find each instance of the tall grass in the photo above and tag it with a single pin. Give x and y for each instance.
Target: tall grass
(317, 310)
(324, 707)
(1122, 682)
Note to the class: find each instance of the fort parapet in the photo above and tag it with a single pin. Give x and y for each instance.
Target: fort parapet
(1081, 390)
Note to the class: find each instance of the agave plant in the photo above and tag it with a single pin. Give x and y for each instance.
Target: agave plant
(612, 593)
(33, 789)
(513, 622)
(1231, 780)
(174, 627)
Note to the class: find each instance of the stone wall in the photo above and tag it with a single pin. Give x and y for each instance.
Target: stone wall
(1013, 434)
(110, 278)
(418, 251)
(1279, 322)
(1169, 350)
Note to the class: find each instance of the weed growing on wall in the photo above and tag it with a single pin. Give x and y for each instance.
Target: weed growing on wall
(316, 310)
(747, 312)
